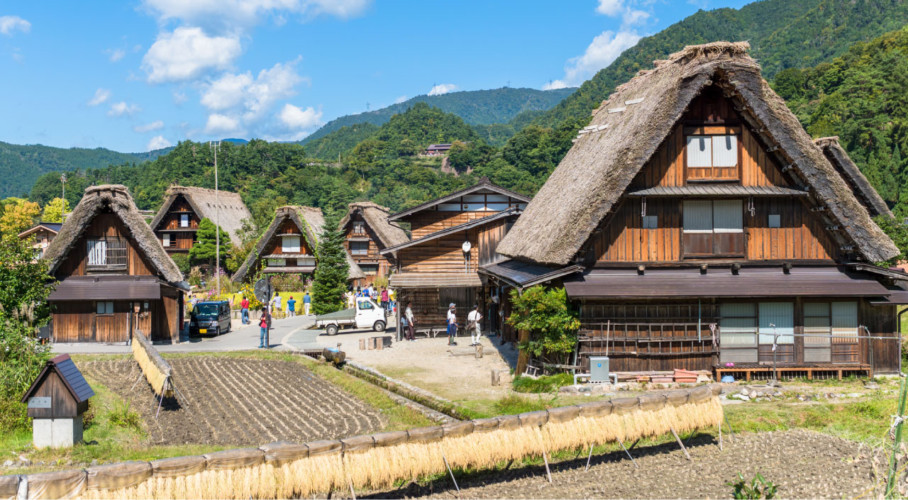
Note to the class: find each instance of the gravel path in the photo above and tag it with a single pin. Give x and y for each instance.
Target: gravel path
(803, 464)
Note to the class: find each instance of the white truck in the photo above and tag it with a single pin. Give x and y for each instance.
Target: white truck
(366, 314)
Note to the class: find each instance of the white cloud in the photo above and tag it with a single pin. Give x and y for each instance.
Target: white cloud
(227, 91)
(610, 7)
(158, 142)
(235, 15)
(400, 99)
(187, 52)
(179, 98)
(554, 85)
(252, 97)
(148, 127)
(100, 96)
(123, 109)
(443, 88)
(10, 24)
(634, 17)
(116, 54)
(604, 49)
(218, 123)
(629, 15)
(299, 119)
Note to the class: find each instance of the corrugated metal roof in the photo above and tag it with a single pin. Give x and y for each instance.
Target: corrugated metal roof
(435, 280)
(717, 190)
(720, 282)
(107, 288)
(525, 274)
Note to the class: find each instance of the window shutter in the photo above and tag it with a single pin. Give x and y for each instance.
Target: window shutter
(699, 151)
(728, 216)
(698, 216)
(725, 150)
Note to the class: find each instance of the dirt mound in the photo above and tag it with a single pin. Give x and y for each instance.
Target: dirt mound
(240, 402)
(802, 464)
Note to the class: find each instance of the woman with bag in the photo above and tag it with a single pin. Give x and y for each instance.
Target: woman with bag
(265, 325)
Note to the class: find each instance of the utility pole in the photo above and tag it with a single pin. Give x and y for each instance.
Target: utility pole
(217, 219)
(63, 210)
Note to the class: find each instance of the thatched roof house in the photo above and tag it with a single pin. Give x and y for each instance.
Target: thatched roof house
(224, 207)
(367, 232)
(376, 216)
(290, 221)
(114, 275)
(853, 176)
(628, 128)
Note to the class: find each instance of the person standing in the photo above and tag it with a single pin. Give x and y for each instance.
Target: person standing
(385, 300)
(244, 310)
(411, 322)
(276, 302)
(264, 325)
(291, 307)
(452, 323)
(473, 320)
(307, 302)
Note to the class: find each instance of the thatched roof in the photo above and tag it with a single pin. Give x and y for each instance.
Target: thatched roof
(484, 184)
(116, 198)
(310, 221)
(376, 217)
(631, 125)
(853, 176)
(225, 207)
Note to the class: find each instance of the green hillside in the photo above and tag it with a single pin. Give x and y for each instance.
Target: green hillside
(20, 166)
(862, 97)
(476, 107)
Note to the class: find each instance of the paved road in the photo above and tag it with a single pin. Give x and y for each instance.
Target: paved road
(239, 339)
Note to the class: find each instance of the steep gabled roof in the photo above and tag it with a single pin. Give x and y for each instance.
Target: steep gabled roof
(228, 208)
(310, 221)
(376, 216)
(453, 230)
(72, 379)
(53, 227)
(631, 125)
(853, 176)
(117, 199)
(483, 184)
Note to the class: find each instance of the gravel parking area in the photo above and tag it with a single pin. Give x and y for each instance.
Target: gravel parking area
(802, 464)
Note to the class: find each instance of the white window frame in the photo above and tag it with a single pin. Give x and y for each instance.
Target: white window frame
(287, 243)
(97, 252)
(184, 220)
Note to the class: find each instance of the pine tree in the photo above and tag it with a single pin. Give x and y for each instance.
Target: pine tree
(331, 270)
(204, 249)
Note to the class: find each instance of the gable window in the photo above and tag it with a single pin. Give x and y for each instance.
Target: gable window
(359, 247)
(359, 227)
(713, 228)
(290, 243)
(106, 252)
(184, 220)
(712, 157)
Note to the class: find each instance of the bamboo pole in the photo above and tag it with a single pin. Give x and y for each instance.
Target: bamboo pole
(893, 458)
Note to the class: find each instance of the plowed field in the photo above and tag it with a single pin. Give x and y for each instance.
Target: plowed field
(229, 401)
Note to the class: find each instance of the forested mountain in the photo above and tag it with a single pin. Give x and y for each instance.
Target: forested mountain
(476, 107)
(20, 166)
(862, 97)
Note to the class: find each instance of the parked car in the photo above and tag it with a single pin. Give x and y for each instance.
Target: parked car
(210, 318)
(366, 314)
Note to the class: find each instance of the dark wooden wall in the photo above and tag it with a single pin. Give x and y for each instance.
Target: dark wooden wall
(105, 224)
(373, 256)
(445, 255)
(63, 405)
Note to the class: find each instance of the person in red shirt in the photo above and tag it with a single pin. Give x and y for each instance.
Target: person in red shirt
(384, 298)
(244, 310)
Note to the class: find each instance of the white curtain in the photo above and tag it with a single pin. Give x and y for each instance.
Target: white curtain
(699, 151)
(291, 244)
(725, 150)
(97, 252)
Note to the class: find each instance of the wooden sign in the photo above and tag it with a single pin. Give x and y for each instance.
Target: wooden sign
(39, 402)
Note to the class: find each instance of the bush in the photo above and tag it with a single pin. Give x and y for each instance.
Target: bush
(551, 322)
(756, 489)
(21, 359)
(546, 383)
(182, 262)
(121, 416)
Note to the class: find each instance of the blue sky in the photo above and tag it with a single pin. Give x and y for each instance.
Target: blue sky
(138, 75)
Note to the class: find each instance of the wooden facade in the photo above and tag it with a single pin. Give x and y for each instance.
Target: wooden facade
(177, 230)
(177, 221)
(364, 247)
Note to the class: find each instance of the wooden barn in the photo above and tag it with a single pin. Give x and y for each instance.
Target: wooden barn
(114, 276)
(367, 232)
(41, 234)
(713, 233)
(184, 207)
(452, 237)
(289, 246)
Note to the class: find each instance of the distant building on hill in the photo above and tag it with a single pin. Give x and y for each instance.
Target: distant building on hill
(437, 149)
(43, 233)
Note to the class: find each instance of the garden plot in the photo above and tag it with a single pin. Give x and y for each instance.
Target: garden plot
(238, 402)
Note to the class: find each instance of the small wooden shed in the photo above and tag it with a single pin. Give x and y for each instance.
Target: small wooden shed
(56, 401)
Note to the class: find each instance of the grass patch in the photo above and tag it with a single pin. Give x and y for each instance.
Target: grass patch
(545, 383)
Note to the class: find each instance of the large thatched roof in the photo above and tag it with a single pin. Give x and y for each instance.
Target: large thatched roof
(310, 221)
(853, 176)
(225, 207)
(630, 126)
(116, 198)
(376, 216)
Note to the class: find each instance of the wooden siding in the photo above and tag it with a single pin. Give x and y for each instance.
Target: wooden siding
(431, 221)
(63, 405)
(287, 227)
(179, 207)
(109, 225)
(445, 255)
(372, 257)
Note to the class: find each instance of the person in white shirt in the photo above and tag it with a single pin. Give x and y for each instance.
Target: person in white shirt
(473, 320)
(410, 322)
(276, 302)
(452, 324)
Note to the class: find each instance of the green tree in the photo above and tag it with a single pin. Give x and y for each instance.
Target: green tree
(546, 314)
(899, 234)
(54, 210)
(23, 307)
(204, 249)
(331, 271)
(18, 215)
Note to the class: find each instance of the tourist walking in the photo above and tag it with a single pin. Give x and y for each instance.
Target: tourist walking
(276, 302)
(385, 300)
(244, 310)
(452, 323)
(411, 322)
(265, 325)
(473, 320)
(307, 301)
(291, 307)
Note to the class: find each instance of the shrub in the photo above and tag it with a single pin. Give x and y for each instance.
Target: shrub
(546, 383)
(182, 262)
(551, 322)
(756, 489)
(122, 416)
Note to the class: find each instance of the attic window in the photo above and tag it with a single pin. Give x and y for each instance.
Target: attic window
(290, 244)
(359, 227)
(184, 220)
(712, 157)
(713, 228)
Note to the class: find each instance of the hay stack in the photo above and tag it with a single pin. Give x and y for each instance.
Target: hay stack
(156, 370)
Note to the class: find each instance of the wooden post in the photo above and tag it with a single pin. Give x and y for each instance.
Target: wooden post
(523, 358)
(678, 439)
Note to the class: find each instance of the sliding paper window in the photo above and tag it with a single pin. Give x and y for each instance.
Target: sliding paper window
(712, 157)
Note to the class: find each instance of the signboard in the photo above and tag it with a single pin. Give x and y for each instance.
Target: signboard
(39, 402)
